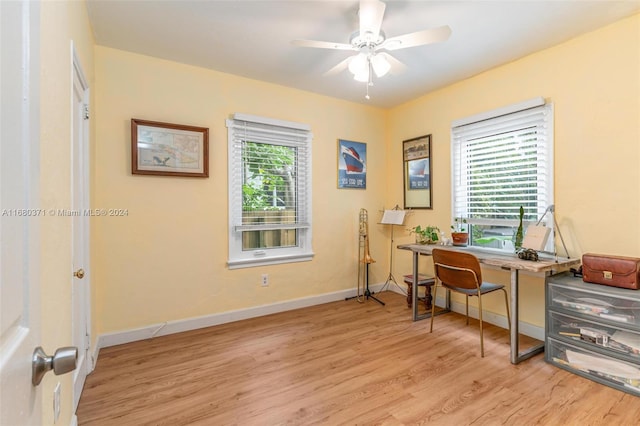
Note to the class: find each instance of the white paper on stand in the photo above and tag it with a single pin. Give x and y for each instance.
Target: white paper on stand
(393, 217)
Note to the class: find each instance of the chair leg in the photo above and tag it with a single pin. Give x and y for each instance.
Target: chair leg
(467, 300)
(433, 306)
(506, 304)
(481, 331)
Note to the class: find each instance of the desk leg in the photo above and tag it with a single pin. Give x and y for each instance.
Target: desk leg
(516, 355)
(414, 295)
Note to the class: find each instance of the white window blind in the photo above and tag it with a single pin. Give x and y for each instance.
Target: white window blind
(502, 162)
(269, 190)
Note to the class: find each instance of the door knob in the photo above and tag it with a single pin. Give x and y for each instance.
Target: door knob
(63, 361)
(79, 273)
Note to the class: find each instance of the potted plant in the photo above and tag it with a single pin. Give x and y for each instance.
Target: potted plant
(426, 235)
(459, 232)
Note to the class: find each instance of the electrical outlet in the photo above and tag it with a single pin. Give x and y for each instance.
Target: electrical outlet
(265, 280)
(56, 403)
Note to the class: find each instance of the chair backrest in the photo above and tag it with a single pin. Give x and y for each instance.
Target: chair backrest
(456, 268)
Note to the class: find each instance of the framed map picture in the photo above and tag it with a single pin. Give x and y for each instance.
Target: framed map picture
(169, 149)
(416, 154)
(352, 164)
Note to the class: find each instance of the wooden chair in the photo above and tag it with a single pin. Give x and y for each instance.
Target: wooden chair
(423, 281)
(460, 272)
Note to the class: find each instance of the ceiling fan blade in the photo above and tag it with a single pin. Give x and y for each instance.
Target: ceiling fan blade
(322, 44)
(371, 14)
(432, 35)
(397, 67)
(340, 67)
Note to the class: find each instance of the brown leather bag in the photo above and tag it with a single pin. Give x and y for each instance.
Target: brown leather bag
(616, 271)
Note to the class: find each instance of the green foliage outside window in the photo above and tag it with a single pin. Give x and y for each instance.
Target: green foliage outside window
(269, 176)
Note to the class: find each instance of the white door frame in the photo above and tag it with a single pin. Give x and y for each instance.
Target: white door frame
(81, 285)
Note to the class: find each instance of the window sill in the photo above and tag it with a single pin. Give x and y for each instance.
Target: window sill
(251, 263)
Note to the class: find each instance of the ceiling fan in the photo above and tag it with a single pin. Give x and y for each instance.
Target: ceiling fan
(370, 42)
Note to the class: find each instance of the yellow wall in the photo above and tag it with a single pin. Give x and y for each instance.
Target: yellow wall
(594, 83)
(167, 259)
(61, 23)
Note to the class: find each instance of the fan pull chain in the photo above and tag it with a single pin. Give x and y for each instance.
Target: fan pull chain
(370, 82)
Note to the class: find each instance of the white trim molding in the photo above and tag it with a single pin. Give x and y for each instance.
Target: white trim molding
(178, 326)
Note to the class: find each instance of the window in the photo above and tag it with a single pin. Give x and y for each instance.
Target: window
(502, 160)
(269, 191)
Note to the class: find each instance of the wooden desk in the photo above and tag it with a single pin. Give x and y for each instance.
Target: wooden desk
(504, 261)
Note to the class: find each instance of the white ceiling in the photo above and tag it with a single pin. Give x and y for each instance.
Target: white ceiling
(253, 38)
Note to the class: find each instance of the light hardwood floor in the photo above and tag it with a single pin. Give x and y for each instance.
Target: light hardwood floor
(341, 363)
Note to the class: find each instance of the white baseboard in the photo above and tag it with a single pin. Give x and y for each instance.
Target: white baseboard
(171, 327)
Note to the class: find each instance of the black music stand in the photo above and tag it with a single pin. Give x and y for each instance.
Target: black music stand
(367, 293)
(392, 217)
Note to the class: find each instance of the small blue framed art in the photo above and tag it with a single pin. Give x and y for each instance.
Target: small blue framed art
(352, 164)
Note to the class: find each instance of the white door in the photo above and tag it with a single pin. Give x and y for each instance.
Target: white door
(20, 401)
(81, 277)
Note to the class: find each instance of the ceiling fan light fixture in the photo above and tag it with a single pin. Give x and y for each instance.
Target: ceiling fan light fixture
(359, 64)
(362, 76)
(380, 65)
